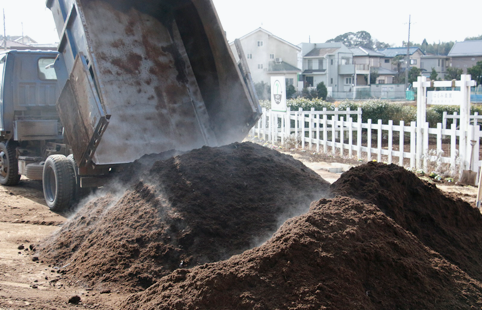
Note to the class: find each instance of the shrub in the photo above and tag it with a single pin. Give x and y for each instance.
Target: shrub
(322, 91)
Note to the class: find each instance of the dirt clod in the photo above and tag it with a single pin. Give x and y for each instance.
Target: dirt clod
(74, 300)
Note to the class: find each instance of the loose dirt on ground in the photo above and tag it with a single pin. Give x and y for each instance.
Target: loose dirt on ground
(386, 235)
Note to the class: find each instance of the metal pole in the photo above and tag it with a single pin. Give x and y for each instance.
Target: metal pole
(4, 32)
(408, 54)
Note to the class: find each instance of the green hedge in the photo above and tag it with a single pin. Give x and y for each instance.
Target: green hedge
(377, 109)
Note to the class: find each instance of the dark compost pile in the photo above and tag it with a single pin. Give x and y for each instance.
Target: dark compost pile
(378, 238)
(199, 207)
(342, 254)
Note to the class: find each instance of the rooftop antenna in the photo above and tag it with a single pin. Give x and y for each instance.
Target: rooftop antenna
(23, 39)
(309, 39)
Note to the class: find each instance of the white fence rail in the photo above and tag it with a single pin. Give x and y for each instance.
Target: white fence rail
(342, 133)
(456, 117)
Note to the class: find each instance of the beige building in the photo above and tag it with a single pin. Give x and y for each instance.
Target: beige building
(465, 54)
(269, 55)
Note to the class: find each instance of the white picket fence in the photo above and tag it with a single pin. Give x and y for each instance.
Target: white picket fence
(337, 133)
(456, 118)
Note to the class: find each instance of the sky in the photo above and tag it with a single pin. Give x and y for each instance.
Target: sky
(301, 20)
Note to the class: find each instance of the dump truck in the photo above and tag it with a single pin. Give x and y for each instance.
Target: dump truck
(134, 78)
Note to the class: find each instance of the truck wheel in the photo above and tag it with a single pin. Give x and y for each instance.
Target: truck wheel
(8, 164)
(58, 182)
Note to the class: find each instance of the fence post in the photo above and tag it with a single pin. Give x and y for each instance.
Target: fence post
(425, 146)
(359, 137)
(444, 120)
(318, 132)
(302, 115)
(401, 145)
(369, 140)
(464, 121)
(421, 116)
(325, 131)
(350, 137)
(390, 141)
(413, 131)
(379, 141)
(342, 136)
(334, 119)
(288, 123)
(453, 149)
(439, 138)
(310, 124)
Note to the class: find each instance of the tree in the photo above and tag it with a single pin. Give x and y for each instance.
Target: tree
(441, 48)
(322, 90)
(374, 75)
(473, 38)
(476, 72)
(433, 75)
(453, 73)
(290, 91)
(398, 61)
(381, 45)
(413, 74)
(359, 39)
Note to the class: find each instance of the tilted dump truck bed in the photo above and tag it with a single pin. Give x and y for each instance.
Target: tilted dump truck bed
(147, 76)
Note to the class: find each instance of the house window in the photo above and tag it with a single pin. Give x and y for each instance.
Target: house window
(260, 43)
(271, 56)
(413, 61)
(331, 63)
(387, 61)
(289, 82)
(260, 66)
(310, 64)
(439, 62)
(381, 81)
(331, 81)
(250, 56)
(348, 81)
(320, 64)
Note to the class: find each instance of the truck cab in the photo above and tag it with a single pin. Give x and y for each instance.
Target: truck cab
(30, 127)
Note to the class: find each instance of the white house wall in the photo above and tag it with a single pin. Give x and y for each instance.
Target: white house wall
(258, 56)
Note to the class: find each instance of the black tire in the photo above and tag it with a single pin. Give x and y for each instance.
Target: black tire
(9, 164)
(58, 182)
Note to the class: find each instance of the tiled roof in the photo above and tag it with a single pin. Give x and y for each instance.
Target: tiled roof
(395, 51)
(466, 48)
(320, 52)
(385, 71)
(361, 51)
(274, 66)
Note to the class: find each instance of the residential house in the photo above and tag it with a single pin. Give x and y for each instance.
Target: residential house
(24, 43)
(364, 59)
(330, 63)
(415, 55)
(465, 54)
(437, 62)
(268, 55)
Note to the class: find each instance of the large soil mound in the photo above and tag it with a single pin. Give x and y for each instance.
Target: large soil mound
(444, 223)
(343, 254)
(199, 207)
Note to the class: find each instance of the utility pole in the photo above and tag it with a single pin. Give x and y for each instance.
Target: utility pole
(408, 54)
(4, 32)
